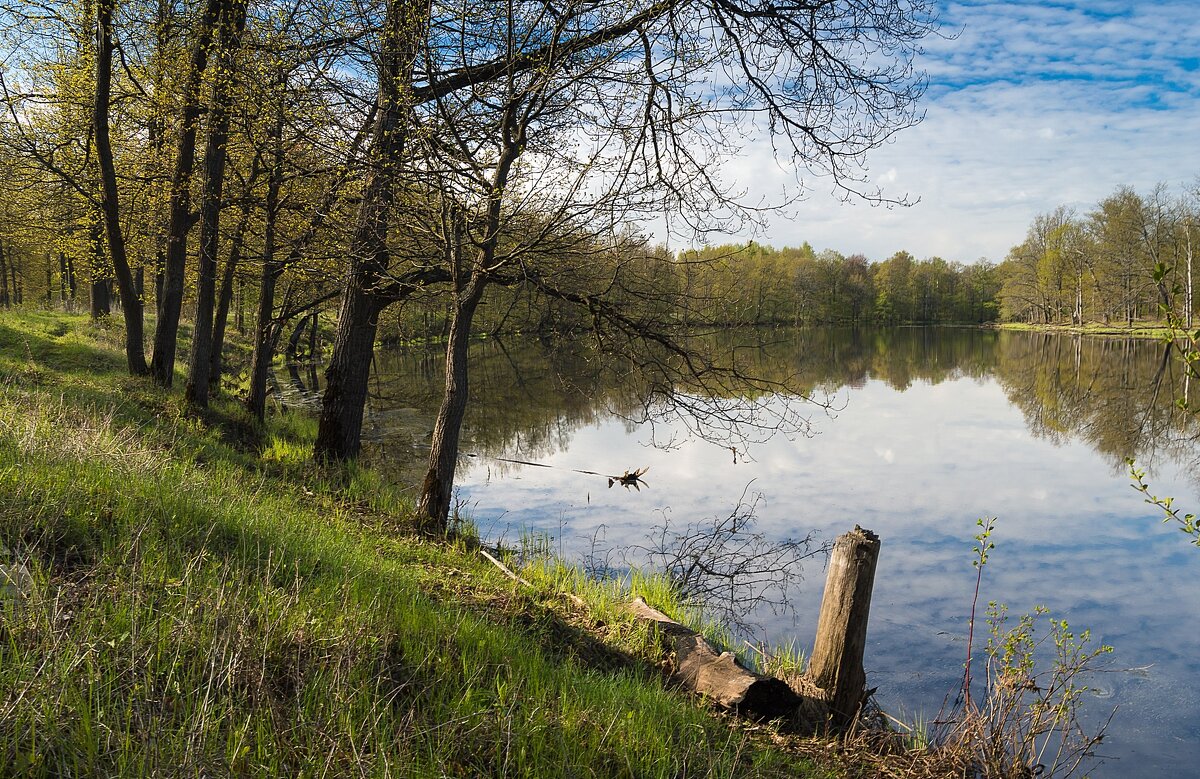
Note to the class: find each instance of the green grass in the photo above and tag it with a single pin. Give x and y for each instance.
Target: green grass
(207, 601)
(1149, 330)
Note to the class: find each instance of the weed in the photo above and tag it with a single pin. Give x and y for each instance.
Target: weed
(1027, 722)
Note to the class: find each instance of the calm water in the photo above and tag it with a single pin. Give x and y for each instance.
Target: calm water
(931, 429)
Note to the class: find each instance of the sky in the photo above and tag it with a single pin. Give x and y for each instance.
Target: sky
(1030, 105)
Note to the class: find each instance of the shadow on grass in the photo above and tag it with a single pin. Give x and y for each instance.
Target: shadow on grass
(24, 350)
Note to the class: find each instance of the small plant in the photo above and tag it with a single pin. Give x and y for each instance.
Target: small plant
(985, 525)
(1027, 722)
(1187, 522)
(725, 567)
(783, 660)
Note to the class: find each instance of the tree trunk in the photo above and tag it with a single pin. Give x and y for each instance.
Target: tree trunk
(306, 325)
(170, 304)
(264, 329)
(215, 156)
(131, 303)
(101, 289)
(1189, 300)
(66, 280)
(101, 300)
(433, 510)
(340, 427)
(719, 676)
(264, 337)
(4, 296)
(836, 665)
(225, 300)
(14, 291)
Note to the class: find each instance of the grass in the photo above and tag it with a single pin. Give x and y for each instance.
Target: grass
(1150, 329)
(204, 600)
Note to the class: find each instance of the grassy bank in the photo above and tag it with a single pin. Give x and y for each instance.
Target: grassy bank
(202, 600)
(1151, 330)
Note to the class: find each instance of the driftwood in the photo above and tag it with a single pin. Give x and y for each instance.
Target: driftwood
(578, 601)
(833, 689)
(718, 675)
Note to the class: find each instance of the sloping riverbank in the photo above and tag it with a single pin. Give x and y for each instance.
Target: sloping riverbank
(197, 597)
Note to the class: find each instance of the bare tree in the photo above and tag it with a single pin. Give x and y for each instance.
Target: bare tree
(131, 301)
(666, 89)
(724, 566)
(230, 28)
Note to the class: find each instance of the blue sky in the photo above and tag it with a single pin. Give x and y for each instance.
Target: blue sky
(1030, 105)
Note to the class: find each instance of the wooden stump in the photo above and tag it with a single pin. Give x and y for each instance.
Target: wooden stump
(836, 665)
(718, 675)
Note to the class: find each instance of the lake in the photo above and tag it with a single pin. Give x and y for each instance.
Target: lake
(925, 431)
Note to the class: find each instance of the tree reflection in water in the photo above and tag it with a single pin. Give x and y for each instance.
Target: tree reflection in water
(929, 429)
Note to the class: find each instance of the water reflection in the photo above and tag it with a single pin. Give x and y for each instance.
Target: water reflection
(929, 429)
(1118, 396)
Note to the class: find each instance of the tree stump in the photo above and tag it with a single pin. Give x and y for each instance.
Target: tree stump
(836, 665)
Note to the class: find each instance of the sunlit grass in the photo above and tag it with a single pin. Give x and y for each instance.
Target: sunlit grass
(205, 600)
(1149, 330)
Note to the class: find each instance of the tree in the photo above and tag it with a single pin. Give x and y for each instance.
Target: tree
(893, 288)
(170, 304)
(367, 290)
(1036, 271)
(230, 27)
(834, 102)
(629, 83)
(131, 300)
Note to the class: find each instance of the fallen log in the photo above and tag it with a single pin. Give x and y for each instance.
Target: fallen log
(718, 675)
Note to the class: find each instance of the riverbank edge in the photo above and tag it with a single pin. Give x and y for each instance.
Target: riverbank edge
(198, 597)
(1156, 332)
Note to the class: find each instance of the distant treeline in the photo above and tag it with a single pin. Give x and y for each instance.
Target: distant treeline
(735, 285)
(1120, 262)
(757, 284)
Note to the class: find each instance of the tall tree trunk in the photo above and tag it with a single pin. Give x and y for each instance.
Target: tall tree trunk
(66, 286)
(14, 287)
(264, 327)
(1189, 301)
(225, 299)
(1079, 295)
(170, 304)
(131, 302)
(433, 509)
(239, 319)
(340, 427)
(101, 302)
(215, 157)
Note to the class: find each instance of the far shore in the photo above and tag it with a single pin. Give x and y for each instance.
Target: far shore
(1149, 330)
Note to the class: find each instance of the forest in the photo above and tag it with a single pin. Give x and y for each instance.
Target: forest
(415, 172)
(472, 169)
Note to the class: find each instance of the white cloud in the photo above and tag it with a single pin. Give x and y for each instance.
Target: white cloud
(1030, 107)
